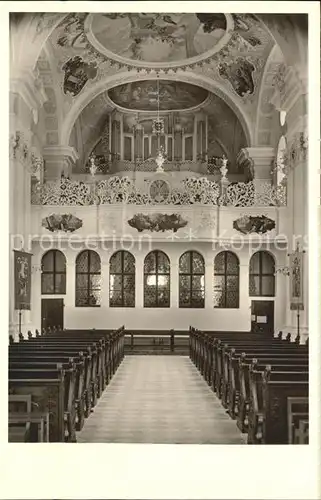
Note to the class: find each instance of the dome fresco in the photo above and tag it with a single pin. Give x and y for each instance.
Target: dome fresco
(157, 37)
(142, 95)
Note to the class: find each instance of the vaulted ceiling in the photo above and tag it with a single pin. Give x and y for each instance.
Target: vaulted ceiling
(90, 64)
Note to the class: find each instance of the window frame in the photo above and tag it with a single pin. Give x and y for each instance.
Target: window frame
(54, 272)
(157, 274)
(123, 274)
(191, 274)
(226, 275)
(261, 275)
(88, 273)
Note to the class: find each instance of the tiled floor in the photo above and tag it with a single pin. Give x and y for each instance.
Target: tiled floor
(159, 399)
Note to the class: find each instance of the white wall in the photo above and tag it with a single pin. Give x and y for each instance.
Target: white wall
(164, 318)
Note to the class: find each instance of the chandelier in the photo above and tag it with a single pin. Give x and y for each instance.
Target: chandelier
(158, 128)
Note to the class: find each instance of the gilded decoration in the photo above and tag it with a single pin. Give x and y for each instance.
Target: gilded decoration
(157, 222)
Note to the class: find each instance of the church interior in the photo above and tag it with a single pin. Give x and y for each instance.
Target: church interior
(158, 228)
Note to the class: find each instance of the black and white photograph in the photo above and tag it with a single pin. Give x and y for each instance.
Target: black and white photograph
(159, 214)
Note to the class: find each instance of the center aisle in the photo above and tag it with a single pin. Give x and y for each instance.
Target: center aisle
(159, 399)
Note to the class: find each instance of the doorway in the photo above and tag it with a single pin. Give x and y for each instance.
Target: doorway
(262, 316)
(52, 313)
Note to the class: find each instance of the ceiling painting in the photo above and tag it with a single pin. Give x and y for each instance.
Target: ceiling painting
(142, 95)
(239, 74)
(160, 37)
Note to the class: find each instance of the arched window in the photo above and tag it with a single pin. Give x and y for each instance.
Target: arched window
(88, 279)
(226, 280)
(53, 273)
(191, 280)
(156, 280)
(262, 278)
(122, 279)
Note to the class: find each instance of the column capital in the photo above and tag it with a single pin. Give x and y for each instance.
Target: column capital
(61, 151)
(59, 159)
(258, 154)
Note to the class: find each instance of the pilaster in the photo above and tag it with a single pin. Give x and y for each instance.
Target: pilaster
(139, 279)
(174, 282)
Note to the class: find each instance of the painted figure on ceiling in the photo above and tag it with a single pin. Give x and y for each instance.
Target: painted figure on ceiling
(239, 74)
(243, 25)
(77, 73)
(158, 37)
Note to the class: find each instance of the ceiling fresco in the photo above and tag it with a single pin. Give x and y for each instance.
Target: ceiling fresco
(222, 53)
(142, 95)
(158, 37)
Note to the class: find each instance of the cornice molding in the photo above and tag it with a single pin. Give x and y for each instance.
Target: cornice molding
(57, 152)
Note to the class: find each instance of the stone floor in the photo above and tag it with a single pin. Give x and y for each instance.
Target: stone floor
(159, 399)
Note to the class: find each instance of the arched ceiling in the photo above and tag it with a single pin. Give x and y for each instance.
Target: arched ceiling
(224, 126)
(225, 54)
(143, 95)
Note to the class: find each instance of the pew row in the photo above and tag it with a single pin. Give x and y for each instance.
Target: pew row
(65, 372)
(247, 371)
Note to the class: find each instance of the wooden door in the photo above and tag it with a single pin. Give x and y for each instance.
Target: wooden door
(52, 313)
(262, 316)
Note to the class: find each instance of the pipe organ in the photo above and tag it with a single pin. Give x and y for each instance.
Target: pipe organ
(185, 137)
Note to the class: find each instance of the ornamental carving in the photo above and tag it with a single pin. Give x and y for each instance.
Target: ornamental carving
(157, 222)
(299, 148)
(21, 151)
(62, 222)
(191, 191)
(257, 224)
(19, 148)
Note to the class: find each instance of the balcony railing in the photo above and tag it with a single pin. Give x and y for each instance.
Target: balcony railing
(190, 191)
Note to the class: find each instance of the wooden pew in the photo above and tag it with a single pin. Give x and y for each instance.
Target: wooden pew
(77, 364)
(114, 343)
(44, 351)
(70, 352)
(240, 367)
(47, 390)
(32, 427)
(96, 350)
(227, 377)
(275, 399)
(225, 359)
(256, 402)
(69, 414)
(83, 388)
